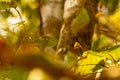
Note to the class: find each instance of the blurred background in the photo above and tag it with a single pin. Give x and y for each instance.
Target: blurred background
(59, 39)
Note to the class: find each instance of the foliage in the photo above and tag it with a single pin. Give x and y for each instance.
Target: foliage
(25, 50)
(6, 4)
(19, 33)
(98, 60)
(10, 74)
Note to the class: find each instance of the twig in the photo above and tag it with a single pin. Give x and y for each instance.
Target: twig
(40, 18)
(19, 15)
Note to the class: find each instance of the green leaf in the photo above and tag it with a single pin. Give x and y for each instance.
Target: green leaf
(47, 41)
(6, 4)
(94, 61)
(101, 43)
(80, 21)
(114, 19)
(69, 59)
(11, 38)
(12, 74)
(5, 0)
(86, 65)
(51, 42)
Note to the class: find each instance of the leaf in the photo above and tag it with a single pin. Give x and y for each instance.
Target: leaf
(11, 38)
(51, 42)
(5, 0)
(80, 21)
(106, 33)
(47, 41)
(101, 43)
(6, 4)
(69, 59)
(10, 74)
(94, 61)
(114, 19)
(86, 65)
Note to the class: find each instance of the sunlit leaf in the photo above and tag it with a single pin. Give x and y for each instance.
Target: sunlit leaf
(114, 18)
(5, 0)
(94, 61)
(86, 65)
(106, 33)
